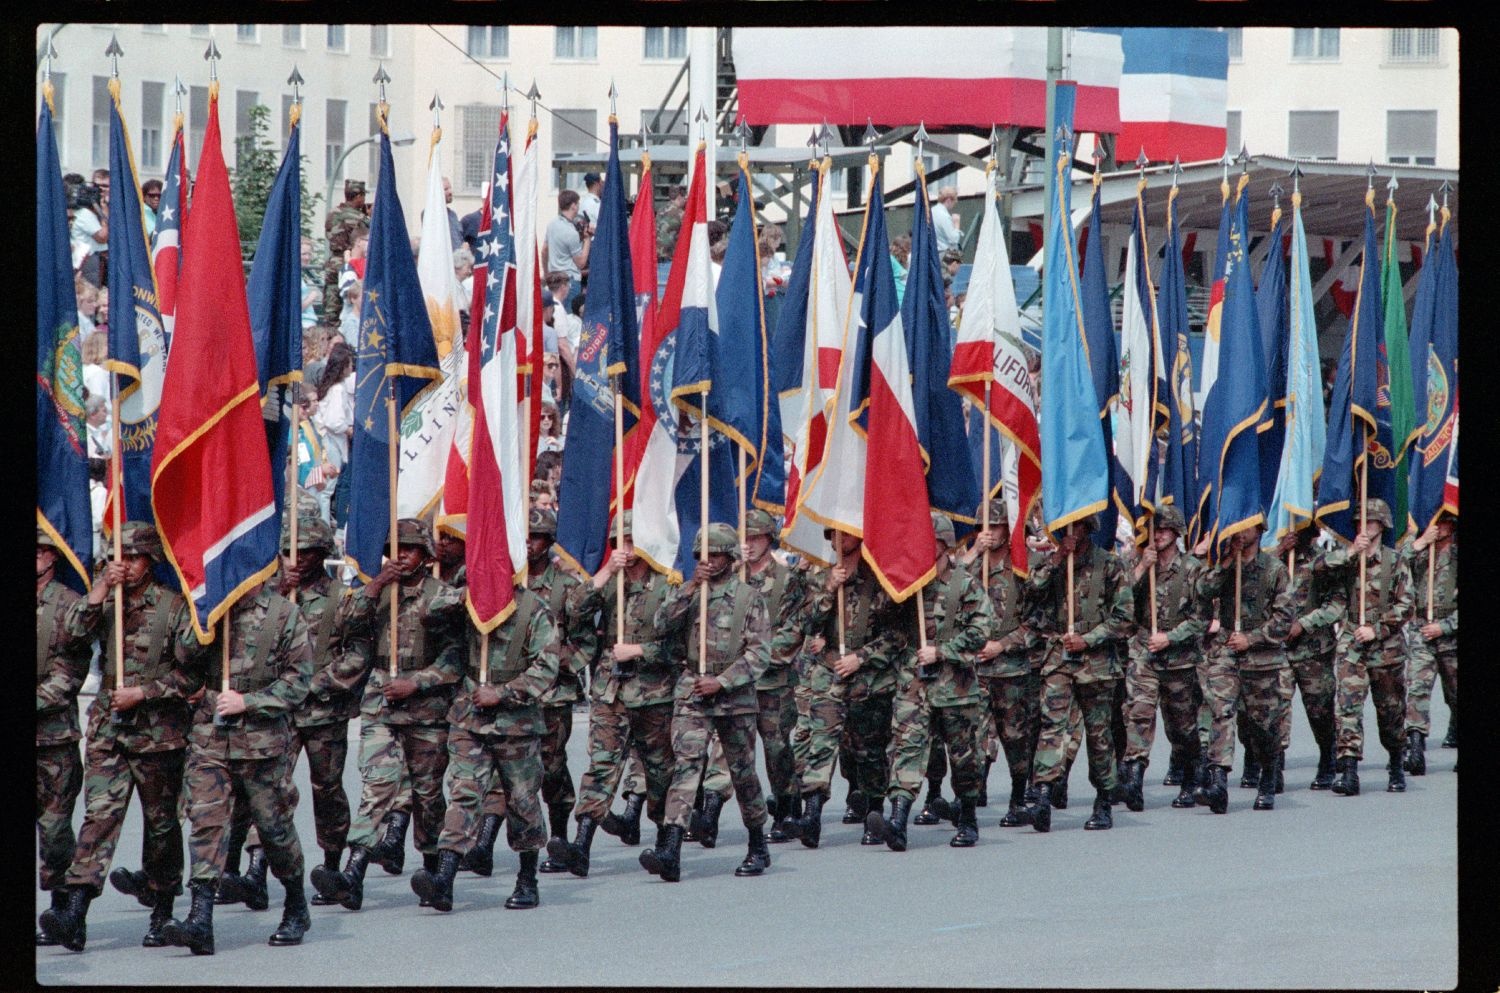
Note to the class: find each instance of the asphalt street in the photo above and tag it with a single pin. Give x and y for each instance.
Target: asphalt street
(1324, 891)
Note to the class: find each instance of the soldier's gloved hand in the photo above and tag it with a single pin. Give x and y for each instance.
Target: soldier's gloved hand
(398, 689)
(706, 686)
(486, 697)
(229, 703)
(126, 698)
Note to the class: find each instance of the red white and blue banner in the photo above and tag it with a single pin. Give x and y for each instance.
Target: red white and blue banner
(1173, 92)
(166, 243)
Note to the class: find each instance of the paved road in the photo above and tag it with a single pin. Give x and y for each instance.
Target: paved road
(1325, 891)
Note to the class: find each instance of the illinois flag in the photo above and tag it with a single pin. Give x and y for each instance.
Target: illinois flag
(211, 476)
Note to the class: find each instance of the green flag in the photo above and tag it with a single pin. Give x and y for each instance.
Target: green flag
(1403, 418)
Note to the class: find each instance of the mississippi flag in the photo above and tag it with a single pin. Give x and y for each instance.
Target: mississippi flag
(989, 352)
(166, 244)
(211, 475)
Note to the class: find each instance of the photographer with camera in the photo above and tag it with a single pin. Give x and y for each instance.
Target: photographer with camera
(568, 240)
(90, 229)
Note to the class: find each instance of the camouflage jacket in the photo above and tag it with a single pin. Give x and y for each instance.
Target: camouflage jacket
(1444, 594)
(1317, 604)
(1265, 610)
(155, 621)
(959, 619)
(1388, 602)
(421, 656)
(339, 227)
(62, 663)
(875, 628)
(1102, 613)
(668, 222)
(738, 644)
(1180, 615)
(523, 666)
(554, 587)
(270, 662)
(649, 679)
(784, 590)
(1011, 603)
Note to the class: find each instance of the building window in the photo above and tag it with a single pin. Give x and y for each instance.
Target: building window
(1315, 43)
(372, 160)
(249, 33)
(197, 119)
(1412, 45)
(1411, 137)
(199, 30)
(338, 38)
(492, 42)
(1235, 38)
(291, 36)
(380, 41)
(480, 125)
(576, 43)
(666, 43)
(101, 122)
(152, 95)
(244, 133)
(658, 122)
(573, 131)
(1234, 137)
(333, 140)
(59, 91)
(1313, 134)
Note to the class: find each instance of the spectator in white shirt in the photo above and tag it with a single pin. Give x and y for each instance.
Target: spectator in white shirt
(944, 221)
(588, 200)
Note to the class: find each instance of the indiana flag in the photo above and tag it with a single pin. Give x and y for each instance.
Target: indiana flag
(211, 477)
(275, 299)
(1274, 315)
(166, 243)
(62, 465)
(1434, 342)
(1141, 412)
(1177, 481)
(989, 354)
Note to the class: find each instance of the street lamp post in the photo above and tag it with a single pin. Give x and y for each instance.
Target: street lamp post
(338, 166)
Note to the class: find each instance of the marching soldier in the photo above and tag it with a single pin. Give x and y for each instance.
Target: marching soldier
(62, 663)
(938, 699)
(403, 718)
(1080, 664)
(716, 690)
(451, 549)
(1164, 664)
(630, 691)
(241, 751)
(1434, 641)
(1245, 662)
(494, 737)
(1371, 656)
(1316, 605)
(137, 738)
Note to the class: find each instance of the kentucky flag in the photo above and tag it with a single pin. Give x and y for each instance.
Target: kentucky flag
(395, 360)
(1434, 345)
(62, 465)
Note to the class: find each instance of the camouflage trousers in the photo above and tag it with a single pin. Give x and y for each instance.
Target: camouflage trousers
(111, 774)
(1357, 678)
(479, 763)
(906, 751)
(327, 747)
(216, 786)
(392, 756)
(557, 781)
(1177, 693)
(958, 734)
(1060, 695)
(690, 736)
(822, 729)
(1313, 678)
(634, 780)
(613, 730)
(986, 748)
(716, 777)
(1205, 708)
(1258, 693)
(775, 721)
(59, 778)
(1015, 704)
(1423, 668)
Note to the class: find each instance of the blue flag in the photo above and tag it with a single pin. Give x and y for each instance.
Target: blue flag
(609, 343)
(1275, 330)
(952, 487)
(1200, 521)
(62, 465)
(1178, 479)
(1104, 367)
(789, 343)
(137, 341)
(1434, 365)
(1075, 460)
(395, 361)
(275, 297)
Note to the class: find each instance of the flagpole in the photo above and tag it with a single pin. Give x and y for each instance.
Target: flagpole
(484, 658)
(1151, 543)
(1237, 562)
(703, 540)
(842, 650)
(1070, 592)
(984, 498)
(619, 511)
(118, 497)
(921, 621)
(1431, 566)
(224, 658)
(742, 512)
(1364, 484)
(390, 424)
(291, 487)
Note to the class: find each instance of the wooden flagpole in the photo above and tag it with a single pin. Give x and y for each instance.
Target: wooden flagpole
(1431, 568)
(1151, 543)
(1237, 561)
(984, 497)
(224, 657)
(1364, 483)
(703, 539)
(395, 548)
(619, 511)
(742, 513)
(291, 487)
(118, 497)
(484, 658)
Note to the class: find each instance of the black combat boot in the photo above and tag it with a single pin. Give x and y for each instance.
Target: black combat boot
(160, 913)
(1265, 792)
(1031, 792)
(66, 926)
(892, 831)
(59, 904)
(706, 823)
(786, 812)
(434, 886)
(390, 851)
(856, 806)
(875, 815)
(1250, 779)
(1347, 783)
(968, 826)
(809, 827)
(1218, 789)
(137, 884)
(665, 861)
(984, 785)
(1017, 813)
(1135, 798)
(330, 864)
(252, 885)
(1450, 740)
(935, 809)
(557, 820)
(1101, 819)
(1281, 771)
(1122, 782)
(229, 890)
(1323, 778)
(346, 888)
(524, 896)
(626, 826)
(1416, 753)
(1204, 781)
(295, 919)
(1188, 778)
(573, 857)
(757, 856)
(1175, 769)
(1397, 782)
(1060, 789)
(1041, 811)
(196, 933)
(480, 859)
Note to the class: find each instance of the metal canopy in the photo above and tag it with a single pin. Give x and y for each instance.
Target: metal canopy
(765, 159)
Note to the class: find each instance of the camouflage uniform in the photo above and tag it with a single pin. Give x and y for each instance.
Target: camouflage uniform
(553, 587)
(1439, 657)
(62, 662)
(1316, 605)
(784, 590)
(668, 222)
(339, 227)
(1169, 677)
(1011, 679)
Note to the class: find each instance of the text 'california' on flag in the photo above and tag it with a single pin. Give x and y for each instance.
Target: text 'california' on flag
(989, 352)
(211, 477)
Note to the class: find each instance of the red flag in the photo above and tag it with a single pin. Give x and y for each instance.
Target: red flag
(643, 259)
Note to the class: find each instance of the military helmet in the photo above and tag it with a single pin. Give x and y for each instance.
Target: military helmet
(1169, 518)
(942, 530)
(1377, 509)
(44, 539)
(1091, 522)
(412, 531)
(353, 188)
(721, 540)
(999, 513)
(758, 522)
(542, 522)
(312, 533)
(140, 538)
(615, 524)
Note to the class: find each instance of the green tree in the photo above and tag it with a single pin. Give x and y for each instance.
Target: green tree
(257, 156)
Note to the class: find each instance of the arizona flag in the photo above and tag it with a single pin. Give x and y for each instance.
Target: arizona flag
(166, 244)
(989, 351)
(211, 475)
